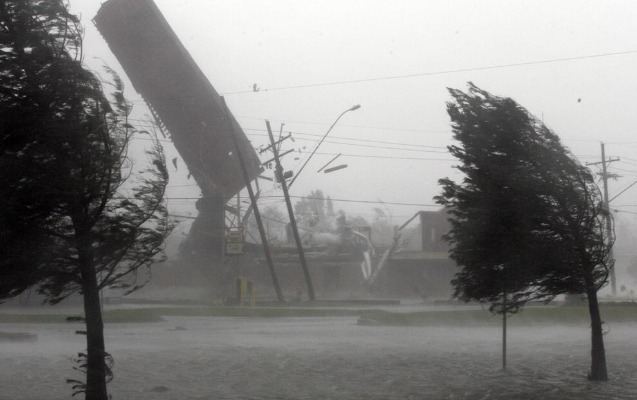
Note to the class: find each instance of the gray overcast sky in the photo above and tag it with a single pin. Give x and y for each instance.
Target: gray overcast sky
(314, 59)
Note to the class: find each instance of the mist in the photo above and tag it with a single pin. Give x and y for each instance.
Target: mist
(195, 330)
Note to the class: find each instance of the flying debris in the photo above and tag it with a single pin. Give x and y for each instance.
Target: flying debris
(327, 171)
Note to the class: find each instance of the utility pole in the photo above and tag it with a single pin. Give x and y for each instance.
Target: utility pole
(609, 226)
(257, 214)
(295, 231)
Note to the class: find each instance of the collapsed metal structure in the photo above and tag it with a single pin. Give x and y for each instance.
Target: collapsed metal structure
(189, 109)
(185, 104)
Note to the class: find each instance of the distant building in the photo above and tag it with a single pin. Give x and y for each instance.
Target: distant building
(417, 267)
(420, 265)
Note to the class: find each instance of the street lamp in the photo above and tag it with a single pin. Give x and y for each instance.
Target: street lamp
(353, 108)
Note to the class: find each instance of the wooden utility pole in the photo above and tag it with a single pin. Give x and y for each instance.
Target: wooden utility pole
(609, 225)
(257, 214)
(295, 231)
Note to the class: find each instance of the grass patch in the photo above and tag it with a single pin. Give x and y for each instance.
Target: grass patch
(111, 316)
(33, 318)
(131, 315)
(551, 315)
(428, 318)
(263, 312)
(530, 316)
(154, 314)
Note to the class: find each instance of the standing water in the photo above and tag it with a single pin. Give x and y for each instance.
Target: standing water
(322, 358)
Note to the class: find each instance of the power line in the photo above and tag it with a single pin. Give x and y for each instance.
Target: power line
(581, 156)
(623, 143)
(337, 142)
(349, 138)
(625, 171)
(625, 212)
(371, 146)
(381, 147)
(345, 125)
(363, 201)
(623, 190)
(334, 142)
(333, 199)
(176, 186)
(625, 162)
(443, 72)
(387, 157)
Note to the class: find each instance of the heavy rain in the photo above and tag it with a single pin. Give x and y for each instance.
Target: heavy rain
(318, 200)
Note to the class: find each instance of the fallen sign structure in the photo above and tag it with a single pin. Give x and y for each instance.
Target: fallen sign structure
(185, 104)
(178, 94)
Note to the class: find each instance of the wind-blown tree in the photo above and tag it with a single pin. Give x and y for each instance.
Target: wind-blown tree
(311, 211)
(79, 216)
(527, 218)
(275, 221)
(34, 46)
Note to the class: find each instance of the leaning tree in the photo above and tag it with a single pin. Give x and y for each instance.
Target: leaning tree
(78, 216)
(527, 220)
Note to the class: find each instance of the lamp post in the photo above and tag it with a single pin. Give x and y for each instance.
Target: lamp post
(353, 108)
(284, 186)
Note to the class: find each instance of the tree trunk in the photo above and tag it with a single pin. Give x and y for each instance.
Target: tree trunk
(504, 331)
(598, 354)
(95, 350)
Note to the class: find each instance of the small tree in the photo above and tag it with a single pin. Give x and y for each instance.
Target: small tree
(275, 222)
(311, 211)
(98, 219)
(382, 229)
(527, 219)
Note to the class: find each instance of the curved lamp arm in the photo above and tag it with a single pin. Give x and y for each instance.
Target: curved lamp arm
(353, 108)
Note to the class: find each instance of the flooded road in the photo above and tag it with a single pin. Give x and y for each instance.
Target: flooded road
(322, 358)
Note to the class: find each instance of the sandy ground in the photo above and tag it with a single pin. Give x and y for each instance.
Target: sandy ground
(321, 358)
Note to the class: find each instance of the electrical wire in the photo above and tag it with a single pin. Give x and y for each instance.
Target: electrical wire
(389, 157)
(287, 121)
(433, 73)
(364, 201)
(625, 170)
(624, 211)
(333, 199)
(383, 147)
(344, 138)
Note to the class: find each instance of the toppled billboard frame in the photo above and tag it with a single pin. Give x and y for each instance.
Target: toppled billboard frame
(179, 95)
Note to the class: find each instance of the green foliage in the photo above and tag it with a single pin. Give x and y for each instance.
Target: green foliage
(81, 365)
(526, 220)
(311, 211)
(531, 316)
(316, 212)
(38, 46)
(275, 221)
(76, 217)
(64, 162)
(382, 229)
(620, 313)
(132, 315)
